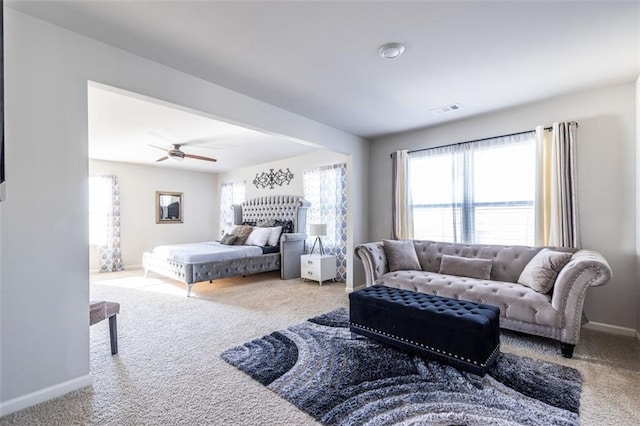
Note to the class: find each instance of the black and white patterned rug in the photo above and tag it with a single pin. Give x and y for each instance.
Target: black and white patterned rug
(341, 379)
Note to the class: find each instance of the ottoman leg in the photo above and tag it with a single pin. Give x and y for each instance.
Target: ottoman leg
(113, 333)
(567, 349)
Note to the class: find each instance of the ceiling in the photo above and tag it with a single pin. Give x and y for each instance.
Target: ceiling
(319, 59)
(122, 126)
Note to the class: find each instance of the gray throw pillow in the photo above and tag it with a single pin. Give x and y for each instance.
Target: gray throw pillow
(228, 239)
(401, 255)
(471, 267)
(541, 272)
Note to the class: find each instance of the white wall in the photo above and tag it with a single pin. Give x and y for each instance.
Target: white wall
(638, 206)
(138, 228)
(44, 264)
(606, 173)
(297, 166)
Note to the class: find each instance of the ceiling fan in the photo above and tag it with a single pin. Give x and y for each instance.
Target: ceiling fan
(175, 154)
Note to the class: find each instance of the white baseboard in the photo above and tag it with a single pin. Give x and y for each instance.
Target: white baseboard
(133, 267)
(126, 268)
(613, 329)
(42, 395)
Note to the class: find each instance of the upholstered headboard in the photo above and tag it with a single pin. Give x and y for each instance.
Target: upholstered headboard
(278, 207)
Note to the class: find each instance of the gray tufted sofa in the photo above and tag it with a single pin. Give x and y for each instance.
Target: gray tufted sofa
(556, 315)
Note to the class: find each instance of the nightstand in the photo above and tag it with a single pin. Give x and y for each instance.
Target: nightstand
(318, 267)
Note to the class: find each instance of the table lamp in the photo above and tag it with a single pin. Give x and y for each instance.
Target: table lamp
(318, 229)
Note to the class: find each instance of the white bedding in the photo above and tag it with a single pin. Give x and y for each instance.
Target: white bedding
(205, 252)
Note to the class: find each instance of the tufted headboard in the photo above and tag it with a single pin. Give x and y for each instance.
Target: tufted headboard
(279, 207)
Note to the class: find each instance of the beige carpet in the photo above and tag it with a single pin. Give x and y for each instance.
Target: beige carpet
(168, 370)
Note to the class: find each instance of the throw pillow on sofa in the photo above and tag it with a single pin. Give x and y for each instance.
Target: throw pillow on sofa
(401, 255)
(541, 272)
(471, 267)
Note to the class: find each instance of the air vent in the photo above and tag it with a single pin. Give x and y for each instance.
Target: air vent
(447, 109)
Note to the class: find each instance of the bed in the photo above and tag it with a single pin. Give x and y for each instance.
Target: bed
(202, 261)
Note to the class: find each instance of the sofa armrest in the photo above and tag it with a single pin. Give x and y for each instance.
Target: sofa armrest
(291, 248)
(374, 260)
(587, 268)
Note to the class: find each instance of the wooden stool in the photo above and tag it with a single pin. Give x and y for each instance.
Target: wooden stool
(99, 310)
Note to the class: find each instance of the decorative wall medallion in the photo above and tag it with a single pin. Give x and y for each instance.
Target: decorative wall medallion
(271, 178)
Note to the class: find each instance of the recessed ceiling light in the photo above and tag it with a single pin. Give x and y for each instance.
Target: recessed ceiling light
(391, 50)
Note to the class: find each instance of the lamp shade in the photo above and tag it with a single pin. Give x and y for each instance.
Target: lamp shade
(318, 229)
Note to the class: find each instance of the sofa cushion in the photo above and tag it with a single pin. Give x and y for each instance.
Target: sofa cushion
(465, 267)
(516, 302)
(508, 261)
(541, 272)
(401, 255)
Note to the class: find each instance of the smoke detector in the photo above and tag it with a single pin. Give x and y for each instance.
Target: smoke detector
(391, 50)
(446, 109)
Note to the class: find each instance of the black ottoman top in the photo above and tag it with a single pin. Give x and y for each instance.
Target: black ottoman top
(461, 333)
(419, 302)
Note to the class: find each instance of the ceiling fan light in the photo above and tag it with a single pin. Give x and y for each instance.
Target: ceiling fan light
(176, 158)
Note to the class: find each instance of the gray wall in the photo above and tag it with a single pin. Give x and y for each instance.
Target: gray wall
(44, 263)
(606, 172)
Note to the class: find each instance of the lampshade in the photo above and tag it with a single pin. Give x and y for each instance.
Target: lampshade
(318, 229)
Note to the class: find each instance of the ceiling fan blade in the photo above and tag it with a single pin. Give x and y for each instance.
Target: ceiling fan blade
(200, 157)
(164, 149)
(162, 159)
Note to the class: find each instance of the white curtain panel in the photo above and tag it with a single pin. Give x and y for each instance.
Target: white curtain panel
(104, 199)
(557, 219)
(326, 189)
(401, 212)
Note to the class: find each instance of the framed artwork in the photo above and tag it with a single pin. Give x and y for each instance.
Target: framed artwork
(168, 207)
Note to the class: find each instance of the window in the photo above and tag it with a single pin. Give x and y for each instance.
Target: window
(230, 193)
(477, 192)
(99, 209)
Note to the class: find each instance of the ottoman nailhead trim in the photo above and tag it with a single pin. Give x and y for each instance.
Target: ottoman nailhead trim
(482, 364)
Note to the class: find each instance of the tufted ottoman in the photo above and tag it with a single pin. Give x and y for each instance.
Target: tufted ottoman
(460, 333)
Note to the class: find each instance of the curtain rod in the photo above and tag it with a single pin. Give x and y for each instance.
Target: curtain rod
(483, 139)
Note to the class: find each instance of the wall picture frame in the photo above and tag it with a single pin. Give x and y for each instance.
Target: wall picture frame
(169, 207)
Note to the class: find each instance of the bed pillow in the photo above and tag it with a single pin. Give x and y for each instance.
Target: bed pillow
(274, 237)
(269, 223)
(228, 239)
(227, 228)
(541, 272)
(258, 237)
(472, 267)
(401, 255)
(287, 226)
(242, 232)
